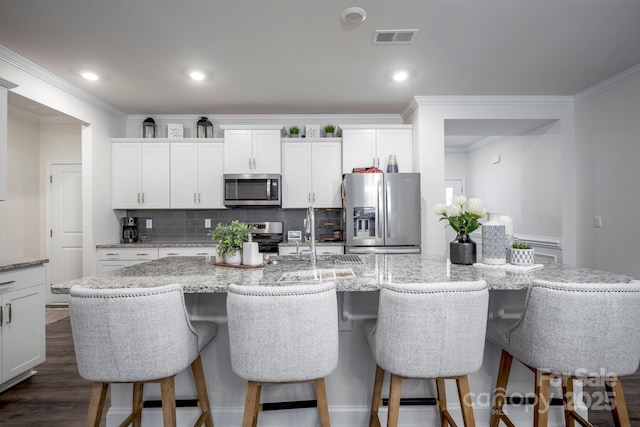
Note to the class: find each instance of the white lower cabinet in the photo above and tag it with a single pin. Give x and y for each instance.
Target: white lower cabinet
(113, 258)
(320, 249)
(187, 251)
(22, 324)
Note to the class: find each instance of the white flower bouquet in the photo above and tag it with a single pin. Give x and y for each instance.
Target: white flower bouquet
(461, 220)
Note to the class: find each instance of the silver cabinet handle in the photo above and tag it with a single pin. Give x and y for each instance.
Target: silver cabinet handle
(199, 194)
(172, 253)
(142, 254)
(9, 310)
(143, 199)
(202, 253)
(1, 316)
(112, 254)
(138, 198)
(194, 199)
(7, 283)
(249, 162)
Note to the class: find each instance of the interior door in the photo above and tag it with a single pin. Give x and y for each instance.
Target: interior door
(65, 250)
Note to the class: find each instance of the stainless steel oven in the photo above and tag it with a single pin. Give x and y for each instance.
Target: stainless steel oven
(252, 190)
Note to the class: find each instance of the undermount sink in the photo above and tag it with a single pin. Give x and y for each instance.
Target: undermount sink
(316, 275)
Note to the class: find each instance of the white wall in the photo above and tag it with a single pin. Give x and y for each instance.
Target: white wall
(19, 213)
(526, 184)
(608, 158)
(433, 111)
(102, 122)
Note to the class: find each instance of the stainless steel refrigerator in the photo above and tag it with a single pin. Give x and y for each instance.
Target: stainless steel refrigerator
(382, 212)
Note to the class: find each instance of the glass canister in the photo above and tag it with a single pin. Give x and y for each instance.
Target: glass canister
(494, 250)
(204, 128)
(149, 128)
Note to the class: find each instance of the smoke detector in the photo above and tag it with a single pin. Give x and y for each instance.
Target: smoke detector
(353, 15)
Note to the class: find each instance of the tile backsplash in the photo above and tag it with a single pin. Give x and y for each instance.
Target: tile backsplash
(188, 225)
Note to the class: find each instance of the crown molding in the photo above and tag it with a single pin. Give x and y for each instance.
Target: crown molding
(48, 77)
(6, 83)
(608, 84)
(493, 100)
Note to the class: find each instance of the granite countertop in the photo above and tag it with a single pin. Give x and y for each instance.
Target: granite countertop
(199, 275)
(202, 244)
(14, 264)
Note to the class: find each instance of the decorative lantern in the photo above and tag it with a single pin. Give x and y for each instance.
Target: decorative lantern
(149, 128)
(205, 128)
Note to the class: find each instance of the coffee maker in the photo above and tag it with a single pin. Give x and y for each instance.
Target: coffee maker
(129, 230)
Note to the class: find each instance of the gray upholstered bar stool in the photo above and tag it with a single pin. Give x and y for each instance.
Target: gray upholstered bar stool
(427, 331)
(138, 336)
(570, 331)
(283, 334)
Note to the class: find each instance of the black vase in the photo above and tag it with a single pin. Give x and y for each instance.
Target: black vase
(462, 250)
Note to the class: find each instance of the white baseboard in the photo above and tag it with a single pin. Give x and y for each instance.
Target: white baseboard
(341, 416)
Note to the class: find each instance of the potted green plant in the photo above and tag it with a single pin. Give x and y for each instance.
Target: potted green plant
(329, 130)
(231, 237)
(294, 131)
(521, 253)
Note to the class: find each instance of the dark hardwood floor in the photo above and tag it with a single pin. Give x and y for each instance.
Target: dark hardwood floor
(58, 397)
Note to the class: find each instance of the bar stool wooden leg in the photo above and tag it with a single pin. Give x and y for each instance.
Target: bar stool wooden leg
(499, 394)
(96, 404)
(203, 395)
(250, 405)
(395, 390)
(541, 405)
(136, 404)
(442, 402)
(323, 405)
(168, 395)
(466, 401)
(617, 402)
(568, 398)
(257, 407)
(374, 420)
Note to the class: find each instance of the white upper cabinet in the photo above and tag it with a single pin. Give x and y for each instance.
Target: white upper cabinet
(141, 175)
(196, 175)
(364, 146)
(311, 174)
(254, 151)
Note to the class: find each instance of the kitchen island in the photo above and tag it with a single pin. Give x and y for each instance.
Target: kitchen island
(349, 386)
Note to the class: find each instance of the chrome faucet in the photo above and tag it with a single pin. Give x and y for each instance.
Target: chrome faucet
(311, 223)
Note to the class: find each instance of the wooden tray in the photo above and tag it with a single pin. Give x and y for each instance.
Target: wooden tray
(224, 264)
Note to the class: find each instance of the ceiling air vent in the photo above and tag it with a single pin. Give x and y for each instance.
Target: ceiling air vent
(394, 36)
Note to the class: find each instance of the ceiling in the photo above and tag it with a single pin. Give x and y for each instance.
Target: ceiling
(292, 56)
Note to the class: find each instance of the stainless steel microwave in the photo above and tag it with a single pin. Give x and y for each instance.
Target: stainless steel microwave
(252, 190)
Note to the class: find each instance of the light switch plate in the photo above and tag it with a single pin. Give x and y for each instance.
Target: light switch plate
(149, 223)
(207, 223)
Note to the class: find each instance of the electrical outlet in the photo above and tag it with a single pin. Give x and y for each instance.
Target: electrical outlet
(207, 223)
(597, 221)
(149, 223)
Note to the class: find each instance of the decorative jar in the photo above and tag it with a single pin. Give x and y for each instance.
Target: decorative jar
(494, 250)
(462, 250)
(204, 128)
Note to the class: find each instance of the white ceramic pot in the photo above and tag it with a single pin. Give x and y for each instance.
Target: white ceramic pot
(522, 256)
(234, 258)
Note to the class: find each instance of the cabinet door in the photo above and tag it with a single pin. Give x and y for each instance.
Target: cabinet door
(156, 175)
(326, 175)
(23, 331)
(266, 151)
(238, 151)
(398, 142)
(104, 266)
(210, 175)
(296, 174)
(184, 175)
(358, 149)
(126, 175)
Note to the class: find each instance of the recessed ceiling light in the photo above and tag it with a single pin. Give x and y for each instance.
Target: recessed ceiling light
(197, 75)
(89, 75)
(400, 76)
(353, 15)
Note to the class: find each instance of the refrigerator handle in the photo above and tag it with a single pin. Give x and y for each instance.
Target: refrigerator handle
(387, 209)
(379, 208)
